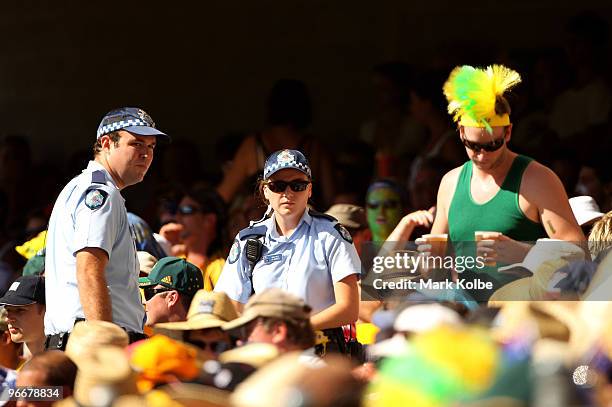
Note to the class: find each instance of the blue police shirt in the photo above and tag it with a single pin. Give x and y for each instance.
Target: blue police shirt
(306, 264)
(90, 212)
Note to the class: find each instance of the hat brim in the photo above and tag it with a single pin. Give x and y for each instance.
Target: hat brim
(146, 282)
(267, 176)
(147, 131)
(517, 290)
(15, 300)
(202, 321)
(240, 321)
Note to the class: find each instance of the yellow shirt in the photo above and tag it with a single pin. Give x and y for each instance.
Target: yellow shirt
(211, 270)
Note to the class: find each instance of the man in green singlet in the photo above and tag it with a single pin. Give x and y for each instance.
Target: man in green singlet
(497, 190)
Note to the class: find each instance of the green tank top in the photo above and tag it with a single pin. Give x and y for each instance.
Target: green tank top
(500, 214)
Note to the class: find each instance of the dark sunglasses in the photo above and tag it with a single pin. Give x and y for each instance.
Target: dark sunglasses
(384, 204)
(150, 292)
(188, 209)
(214, 347)
(281, 186)
(488, 147)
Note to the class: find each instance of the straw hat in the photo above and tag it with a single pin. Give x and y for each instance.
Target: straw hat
(543, 251)
(600, 287)
(88, 336)
(253, 354)
(207, 310)
(103, 375)
(529, 288)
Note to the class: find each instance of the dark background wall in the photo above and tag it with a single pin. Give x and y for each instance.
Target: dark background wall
(202, 69)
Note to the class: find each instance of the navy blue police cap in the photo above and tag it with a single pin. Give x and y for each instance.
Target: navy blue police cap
(131, 119)
(284, 159)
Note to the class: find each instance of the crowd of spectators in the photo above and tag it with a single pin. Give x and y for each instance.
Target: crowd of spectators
(383, 185)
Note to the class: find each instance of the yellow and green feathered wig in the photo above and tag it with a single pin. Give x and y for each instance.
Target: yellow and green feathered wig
(472, 94)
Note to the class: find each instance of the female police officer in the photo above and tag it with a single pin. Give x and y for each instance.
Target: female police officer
(296, 249)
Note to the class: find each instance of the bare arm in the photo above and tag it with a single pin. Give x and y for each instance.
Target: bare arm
(239, 171)
(345, 310)
(545, 189)
(91, 281)
(445, 195)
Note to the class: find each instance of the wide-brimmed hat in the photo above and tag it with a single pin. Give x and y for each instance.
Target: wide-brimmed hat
(544, 250)
(600, 287)
(207, 310)
(349, 216)
(253, 354)
(529, 288)
(87, 336)
(272, 303)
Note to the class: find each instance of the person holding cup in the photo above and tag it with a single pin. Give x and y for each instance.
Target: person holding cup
(496, 190)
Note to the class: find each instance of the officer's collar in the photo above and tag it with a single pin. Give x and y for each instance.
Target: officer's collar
(96, 166)
(273, 232)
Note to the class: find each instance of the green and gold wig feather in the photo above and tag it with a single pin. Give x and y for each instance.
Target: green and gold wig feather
(472, 94)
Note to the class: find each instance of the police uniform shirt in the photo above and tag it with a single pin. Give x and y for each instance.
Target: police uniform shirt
(90, 212)
(306, 264)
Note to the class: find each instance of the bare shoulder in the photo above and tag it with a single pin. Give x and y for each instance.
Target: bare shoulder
(538, 178)
(449, 180)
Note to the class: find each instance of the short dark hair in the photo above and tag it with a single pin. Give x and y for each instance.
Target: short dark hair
(299, 332)
(114, 136)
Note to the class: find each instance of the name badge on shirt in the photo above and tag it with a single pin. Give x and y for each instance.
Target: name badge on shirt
(271, 258)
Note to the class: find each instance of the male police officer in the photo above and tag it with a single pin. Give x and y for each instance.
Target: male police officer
(91, 264)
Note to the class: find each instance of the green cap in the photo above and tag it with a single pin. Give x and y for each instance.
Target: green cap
(175, 273)
(35, 266)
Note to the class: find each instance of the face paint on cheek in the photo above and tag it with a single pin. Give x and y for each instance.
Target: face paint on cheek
(383, 212)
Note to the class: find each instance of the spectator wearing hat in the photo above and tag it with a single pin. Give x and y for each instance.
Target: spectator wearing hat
(91, 264)
(25, 306)
(353, 218)
(202, 328)
(199, 232)
(169, 289)
(10, 352)
(586, 211)
(276, 317)
(307, 253)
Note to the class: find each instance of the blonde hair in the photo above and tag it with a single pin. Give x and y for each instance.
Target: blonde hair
(601, 235)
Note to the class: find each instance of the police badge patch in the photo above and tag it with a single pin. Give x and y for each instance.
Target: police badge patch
(344, 233)
(95, 198)
(285, 157)
(234, 252)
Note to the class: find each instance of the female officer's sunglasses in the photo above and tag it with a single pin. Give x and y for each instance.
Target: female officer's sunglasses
(281, 186)
(488, 147)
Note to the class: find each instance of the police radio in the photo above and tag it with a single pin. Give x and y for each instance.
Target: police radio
(253, 250)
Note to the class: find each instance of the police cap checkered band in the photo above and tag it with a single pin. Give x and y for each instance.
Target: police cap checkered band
(284, 159)
(131, 119)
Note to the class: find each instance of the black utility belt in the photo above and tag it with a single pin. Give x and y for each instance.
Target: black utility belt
(59, 341)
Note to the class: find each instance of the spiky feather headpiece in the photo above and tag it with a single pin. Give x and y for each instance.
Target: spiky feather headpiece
(472, 93)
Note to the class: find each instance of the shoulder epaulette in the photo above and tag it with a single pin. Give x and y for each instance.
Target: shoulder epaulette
(98, 177)
(316, 214)
(252, 231)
